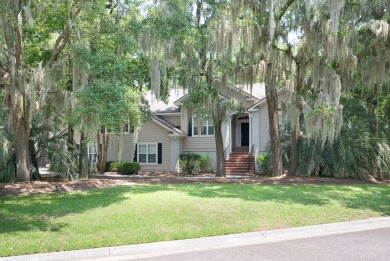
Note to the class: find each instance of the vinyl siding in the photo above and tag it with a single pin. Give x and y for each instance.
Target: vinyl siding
(196, 143)
(150, 132)
(184, 120)
(175, 149)
(199, 144)
(263, 134)
(173, 119)
(263, 128)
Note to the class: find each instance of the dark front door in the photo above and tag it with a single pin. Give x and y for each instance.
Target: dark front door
(244, 134)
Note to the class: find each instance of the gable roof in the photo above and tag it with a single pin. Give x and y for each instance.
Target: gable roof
(158, 106)
(245, 90)
(263, 101)
(167, 125)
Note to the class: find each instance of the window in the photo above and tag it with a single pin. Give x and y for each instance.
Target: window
(147, 153)
(281, 119)
(127, 128)
(207, 127)
(92, 153)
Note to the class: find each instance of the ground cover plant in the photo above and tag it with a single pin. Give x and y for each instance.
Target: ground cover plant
(146, 213)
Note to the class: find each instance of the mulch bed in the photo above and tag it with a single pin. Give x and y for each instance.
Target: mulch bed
(163, 178)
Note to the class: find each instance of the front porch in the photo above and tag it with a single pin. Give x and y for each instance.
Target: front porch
(239, 159)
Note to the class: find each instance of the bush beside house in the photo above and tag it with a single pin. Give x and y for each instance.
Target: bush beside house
(264, 163)
(123, 167)
(189, 160)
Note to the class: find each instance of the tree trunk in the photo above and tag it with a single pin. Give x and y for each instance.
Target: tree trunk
(219, 148)
(292, 170)
(70, 140)
(98, 150)
(22, 156)
(272, 105)
(388, 122)
(295, 128)
(106, 140)
(34, 160)
(102, 150)
(83, 160)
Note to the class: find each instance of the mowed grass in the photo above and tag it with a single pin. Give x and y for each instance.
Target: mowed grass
(146, 213)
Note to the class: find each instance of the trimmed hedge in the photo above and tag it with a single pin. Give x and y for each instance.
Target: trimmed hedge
(123, 167)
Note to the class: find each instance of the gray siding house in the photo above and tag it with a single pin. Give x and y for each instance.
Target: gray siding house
(160, 140)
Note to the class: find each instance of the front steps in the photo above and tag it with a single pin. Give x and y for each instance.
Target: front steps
(239, 162)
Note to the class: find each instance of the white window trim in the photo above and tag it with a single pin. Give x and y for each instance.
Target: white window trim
(130, 129)
(200, 131)
(147, 157)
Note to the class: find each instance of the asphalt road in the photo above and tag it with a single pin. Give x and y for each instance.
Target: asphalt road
(363, 245)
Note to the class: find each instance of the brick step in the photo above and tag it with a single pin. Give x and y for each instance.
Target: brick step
(238, 172)
(238, 162)
(240, 148)
(237, 169)
(238, 158)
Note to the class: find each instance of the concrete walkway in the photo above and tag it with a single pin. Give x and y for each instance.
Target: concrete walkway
(207, 243)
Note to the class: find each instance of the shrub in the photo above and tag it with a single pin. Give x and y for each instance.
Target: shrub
(205, 163)
(123, 167)
(264, 162)
(127, 168)
(190, 161)
(112, 166)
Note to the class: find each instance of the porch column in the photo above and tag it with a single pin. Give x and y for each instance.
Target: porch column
(250, 131)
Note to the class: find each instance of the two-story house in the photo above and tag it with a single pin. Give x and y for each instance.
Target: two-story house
(171, 131)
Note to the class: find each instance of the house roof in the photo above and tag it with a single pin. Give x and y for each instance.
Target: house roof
(168, 125)
(263, 101)
(256, 93)
(257, 90)
(158, 106)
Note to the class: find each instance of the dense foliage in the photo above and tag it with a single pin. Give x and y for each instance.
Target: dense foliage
(190, 161)
(71, 66)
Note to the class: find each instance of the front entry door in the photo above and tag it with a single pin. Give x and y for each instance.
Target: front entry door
(245, 134)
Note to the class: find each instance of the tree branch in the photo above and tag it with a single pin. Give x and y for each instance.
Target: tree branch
(63, 38)
(283, 10)
(363, 53)
(18, 34)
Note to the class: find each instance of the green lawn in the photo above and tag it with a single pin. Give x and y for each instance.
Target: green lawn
(145, 213)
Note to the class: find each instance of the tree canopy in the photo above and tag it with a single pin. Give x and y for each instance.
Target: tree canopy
(83, 65)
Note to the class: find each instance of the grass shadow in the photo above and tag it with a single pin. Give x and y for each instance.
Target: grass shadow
(361, 196)
(38, 211)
